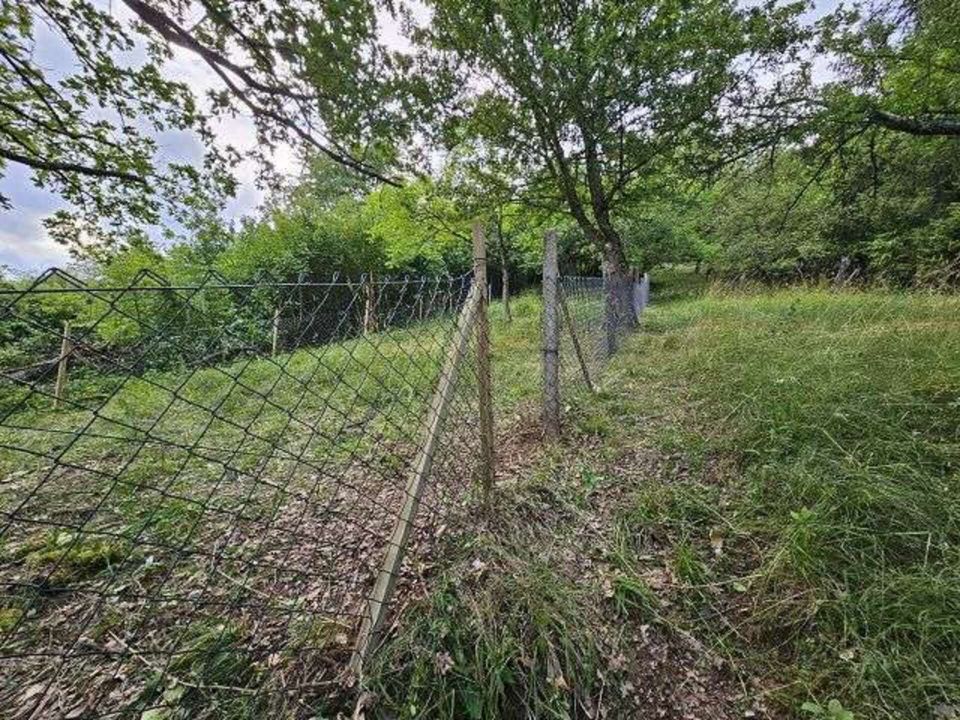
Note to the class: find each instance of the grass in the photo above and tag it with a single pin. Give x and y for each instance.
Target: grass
(820, 434)
(767, 477)
(503, 632)
(797, 509)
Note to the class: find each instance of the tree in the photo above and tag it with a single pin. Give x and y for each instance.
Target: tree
(588, 96)
(898, 64)
(309, 74)
(420, 227)
(480, 180)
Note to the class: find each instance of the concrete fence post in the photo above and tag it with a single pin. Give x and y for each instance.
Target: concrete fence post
(437, 410)
(370, 321)
(275, 334)
(551, 339)
(66, 347)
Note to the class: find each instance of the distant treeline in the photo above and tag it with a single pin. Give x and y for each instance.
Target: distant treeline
(886, 210)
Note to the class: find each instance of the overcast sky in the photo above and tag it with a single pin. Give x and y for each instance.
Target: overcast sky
(25, 245)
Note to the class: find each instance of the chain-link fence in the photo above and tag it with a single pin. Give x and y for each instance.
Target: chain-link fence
(592, 327)
(583, 348)
(203, 485)
(584, 322)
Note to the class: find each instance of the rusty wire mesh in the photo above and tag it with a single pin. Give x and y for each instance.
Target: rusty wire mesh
(192, 528)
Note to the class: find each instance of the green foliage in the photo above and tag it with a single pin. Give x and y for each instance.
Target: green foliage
(585, 101)
(897, 64)
(419, 228)
(890, 209)
(61, 126)
(832, 711)
(315, 76)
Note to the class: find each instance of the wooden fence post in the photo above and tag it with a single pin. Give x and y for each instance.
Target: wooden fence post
(551, 339)
(437, 413)
(483, 360)
(66, 347)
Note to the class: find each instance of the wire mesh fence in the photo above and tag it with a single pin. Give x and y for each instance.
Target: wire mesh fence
(584, 320)
(199, 484)
(592, 327)
(583, 351)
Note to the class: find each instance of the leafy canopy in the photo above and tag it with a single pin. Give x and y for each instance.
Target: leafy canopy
(311, 75)
(588, 97)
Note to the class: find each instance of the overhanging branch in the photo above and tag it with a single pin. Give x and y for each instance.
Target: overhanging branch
(56, 166)
(927, 126)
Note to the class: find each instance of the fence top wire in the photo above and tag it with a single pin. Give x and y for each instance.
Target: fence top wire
(196, 522)
(212, 280)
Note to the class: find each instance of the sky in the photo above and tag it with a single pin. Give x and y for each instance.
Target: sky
(24, 244)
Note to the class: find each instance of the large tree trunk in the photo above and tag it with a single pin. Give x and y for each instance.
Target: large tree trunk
(619, 275)
(618, 289)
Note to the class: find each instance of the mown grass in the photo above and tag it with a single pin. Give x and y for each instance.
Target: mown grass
(822, 433)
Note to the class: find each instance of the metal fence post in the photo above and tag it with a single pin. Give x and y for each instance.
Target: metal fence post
(551, 339)
(66, 347)
(483, 360)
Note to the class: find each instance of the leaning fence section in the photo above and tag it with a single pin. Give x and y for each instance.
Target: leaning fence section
(585, 320)
(202, 485)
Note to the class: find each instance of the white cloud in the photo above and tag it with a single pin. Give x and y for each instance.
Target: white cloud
(25, 246)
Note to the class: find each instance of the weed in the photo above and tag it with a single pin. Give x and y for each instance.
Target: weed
(72, 557)
(632, 595)
(9, 617)
(687, 566)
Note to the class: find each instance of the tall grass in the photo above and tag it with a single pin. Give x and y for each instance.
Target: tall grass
(824, 434)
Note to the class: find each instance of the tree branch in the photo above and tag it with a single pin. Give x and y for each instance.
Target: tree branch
(929, 126)
(55, 166)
